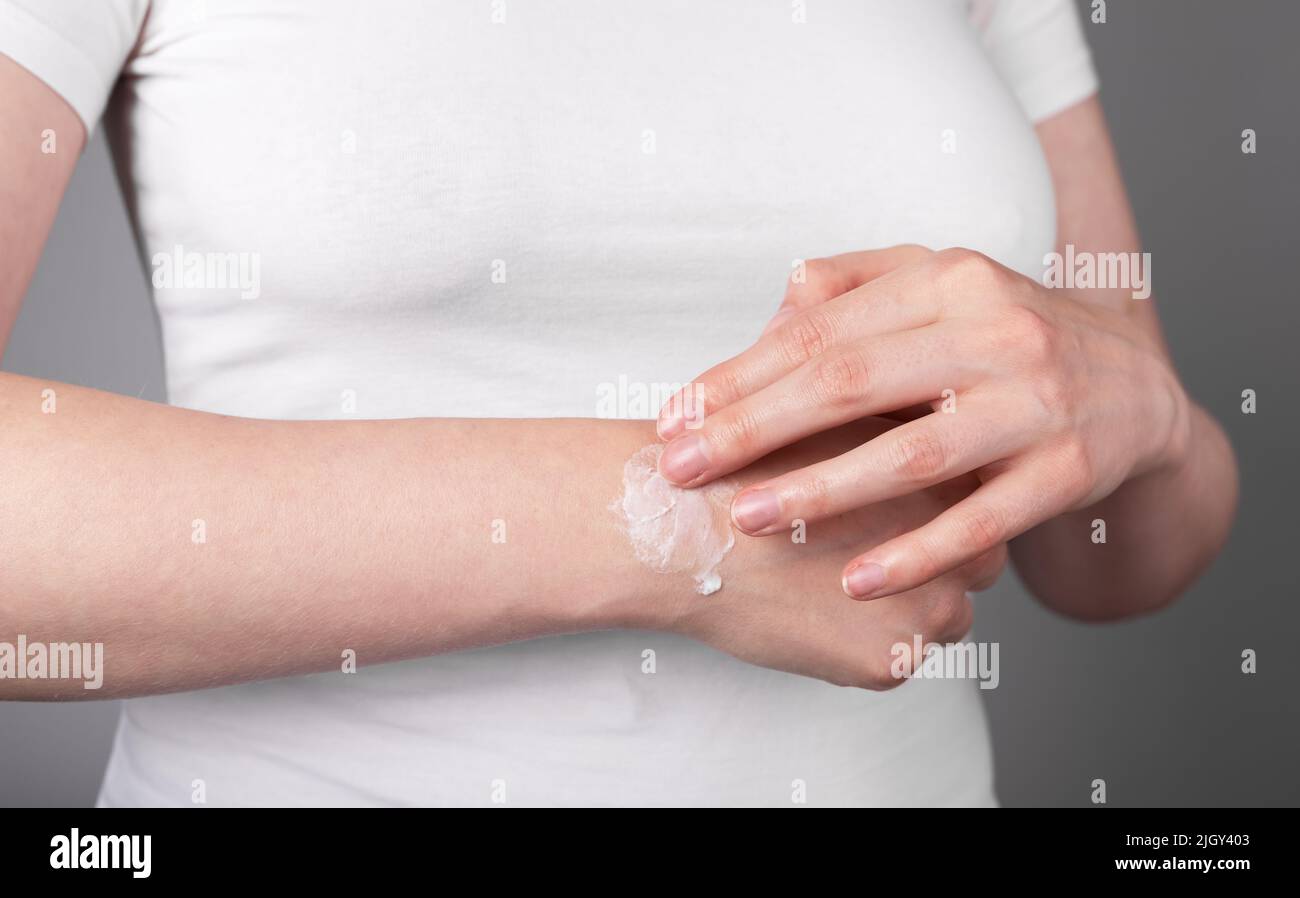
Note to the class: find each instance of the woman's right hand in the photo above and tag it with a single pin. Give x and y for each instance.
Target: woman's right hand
(781, 605)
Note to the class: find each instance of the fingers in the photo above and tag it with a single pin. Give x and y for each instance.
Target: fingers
(1004, 507)
(903, 460)
(887, 305)
(985, 570)
(839, 386)
(942, 613)
(817, 280)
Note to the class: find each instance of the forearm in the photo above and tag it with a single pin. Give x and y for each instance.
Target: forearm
(203, 550)
(1162, 529)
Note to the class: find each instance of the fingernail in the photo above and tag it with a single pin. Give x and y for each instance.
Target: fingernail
(684, 459)
(670, 424)
(756, 510)
(684, 411)
(777, 320)
(864, 579)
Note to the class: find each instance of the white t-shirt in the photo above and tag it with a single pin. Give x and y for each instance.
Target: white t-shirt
(509, 209)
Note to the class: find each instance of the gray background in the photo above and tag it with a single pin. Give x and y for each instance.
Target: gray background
(1159, 707)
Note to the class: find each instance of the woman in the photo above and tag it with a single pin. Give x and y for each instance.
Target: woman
(400, 249)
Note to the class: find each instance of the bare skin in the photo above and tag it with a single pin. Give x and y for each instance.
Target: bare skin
(205, 550)
(1064, 403)
(377, 536)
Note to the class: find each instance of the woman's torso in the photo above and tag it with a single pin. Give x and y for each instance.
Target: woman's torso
(547, 215)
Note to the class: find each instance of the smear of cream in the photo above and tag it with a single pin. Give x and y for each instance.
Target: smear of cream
(673, 530)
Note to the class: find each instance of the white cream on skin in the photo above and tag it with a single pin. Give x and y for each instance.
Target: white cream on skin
(673, 530)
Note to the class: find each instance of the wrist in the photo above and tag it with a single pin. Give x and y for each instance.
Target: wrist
(618, 587)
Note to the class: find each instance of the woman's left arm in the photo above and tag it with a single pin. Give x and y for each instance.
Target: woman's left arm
(1063, 402)
(1163, 528)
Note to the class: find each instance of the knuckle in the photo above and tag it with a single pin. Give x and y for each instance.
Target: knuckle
(928, 558)
(962, 263)
(726, 382)
(989, 565)
(819, 275)
(805, 337)
(879, 672)
(966, 275)
(981, 528)
(815, 281)
(951, 616)
(840, 378)
(884, 683)
(815, 498)
(739, 428)
(918, 457)
(952, 256)
(916, 250)
(1078, 468)
(1033, 336)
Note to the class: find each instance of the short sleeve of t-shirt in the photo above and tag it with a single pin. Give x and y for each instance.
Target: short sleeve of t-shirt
(77, 47)
(1039, 49)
